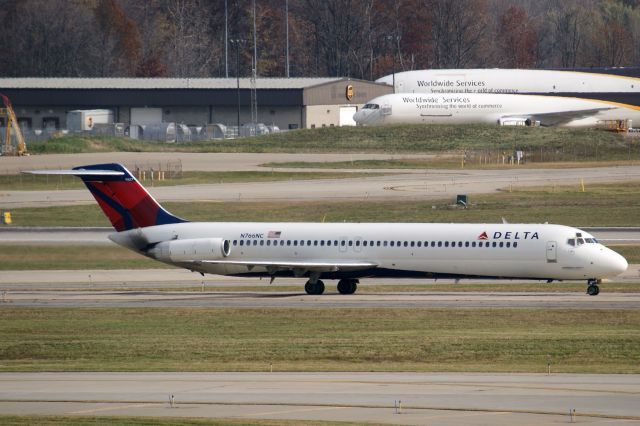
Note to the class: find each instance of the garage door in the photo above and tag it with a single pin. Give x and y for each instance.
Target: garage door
(146, 115)
(346, 116)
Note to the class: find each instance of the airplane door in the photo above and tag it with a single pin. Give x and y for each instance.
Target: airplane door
(552, 255)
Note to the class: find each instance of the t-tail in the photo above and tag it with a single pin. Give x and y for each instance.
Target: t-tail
(122, 198)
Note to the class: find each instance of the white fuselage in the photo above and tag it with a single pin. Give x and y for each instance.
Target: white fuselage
(509, 81)
(536, 251)
(467, 108)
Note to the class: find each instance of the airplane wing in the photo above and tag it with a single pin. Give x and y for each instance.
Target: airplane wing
(560, 117)
(299, 268)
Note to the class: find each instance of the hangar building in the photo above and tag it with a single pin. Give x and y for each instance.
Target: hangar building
(43, 103)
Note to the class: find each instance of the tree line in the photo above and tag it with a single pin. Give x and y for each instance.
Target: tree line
(354, 38)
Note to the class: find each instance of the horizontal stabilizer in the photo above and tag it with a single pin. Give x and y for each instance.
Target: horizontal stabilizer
(79, 172)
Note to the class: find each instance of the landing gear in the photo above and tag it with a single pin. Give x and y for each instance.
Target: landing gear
(347, 286)
(314, 288)
(593, 289)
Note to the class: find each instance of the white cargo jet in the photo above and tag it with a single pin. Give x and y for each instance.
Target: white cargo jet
(468, 108)
(344, 251)
(592, 85)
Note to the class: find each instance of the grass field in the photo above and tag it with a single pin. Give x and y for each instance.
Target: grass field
(439, 162)
(151, 421)
(166, 339)
(23, 182)
(599, 205)
(578, 143)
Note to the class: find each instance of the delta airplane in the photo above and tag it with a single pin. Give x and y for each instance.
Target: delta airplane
(344, 251)
(467, 108)
(602, 84)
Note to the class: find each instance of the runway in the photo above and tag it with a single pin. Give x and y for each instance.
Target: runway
(427, 185)
(425, 398)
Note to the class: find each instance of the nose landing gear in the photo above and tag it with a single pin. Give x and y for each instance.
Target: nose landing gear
(592, 287)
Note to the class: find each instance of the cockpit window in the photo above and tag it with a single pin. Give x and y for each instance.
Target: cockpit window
(371, 106)
(580, 241)
(591, 240)
(571, 242)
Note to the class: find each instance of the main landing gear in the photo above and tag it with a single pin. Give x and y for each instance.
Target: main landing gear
(345, 286)
(314, 287)
(593, 289)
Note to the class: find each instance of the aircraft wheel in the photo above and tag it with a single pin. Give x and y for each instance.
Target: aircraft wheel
(347, 286)
(593, 290)
(314, 288)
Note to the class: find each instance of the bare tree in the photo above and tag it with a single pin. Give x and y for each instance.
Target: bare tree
(458, 29)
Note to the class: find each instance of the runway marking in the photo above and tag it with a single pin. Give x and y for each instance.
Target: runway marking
(119, 407)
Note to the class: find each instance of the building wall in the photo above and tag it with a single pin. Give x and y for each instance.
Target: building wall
(324, 115)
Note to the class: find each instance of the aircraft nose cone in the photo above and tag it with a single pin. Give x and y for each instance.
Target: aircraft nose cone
(617, 264)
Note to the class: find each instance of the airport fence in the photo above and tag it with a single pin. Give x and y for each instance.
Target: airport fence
(628, 151)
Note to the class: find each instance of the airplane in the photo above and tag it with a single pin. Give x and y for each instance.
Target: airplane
(610, 84)
(490, 108)
(343, 251)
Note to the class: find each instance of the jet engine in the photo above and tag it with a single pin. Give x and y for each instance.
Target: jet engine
(193, 249)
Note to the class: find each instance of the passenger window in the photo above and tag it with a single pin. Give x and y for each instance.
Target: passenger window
(350, 243)
(268, 242)
(439, 243)
(357, 243)
(241, 242)
(515, 244)
(378, 243)
(433, 244)
(281, 242)
(343, 243)
(261, 242)
(235, 242)
(473, 243)
(466, 243)
(309, 242)
(255, 242)
(288, 242)
(405, 244)
(392, 243)
(508, 244)
(419, 243)
(364, 243)
(494, 244)
(501, 244)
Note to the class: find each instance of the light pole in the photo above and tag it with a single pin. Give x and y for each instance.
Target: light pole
(237, 42)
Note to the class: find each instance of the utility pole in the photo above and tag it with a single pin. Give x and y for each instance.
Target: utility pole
(286, 26)
(254, 73)
(226, 39)
(237, 42)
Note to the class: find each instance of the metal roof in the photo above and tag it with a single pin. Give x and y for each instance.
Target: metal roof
(160, 83)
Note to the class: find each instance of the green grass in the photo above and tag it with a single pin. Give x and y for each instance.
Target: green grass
(33, 257)
(571, 143)
(166, 339)
(599, 205)
(25, 182)
(152, 421)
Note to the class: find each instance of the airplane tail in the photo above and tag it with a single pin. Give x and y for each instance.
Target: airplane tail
(122, 198)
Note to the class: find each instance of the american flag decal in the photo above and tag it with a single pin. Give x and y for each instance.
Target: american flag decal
(274, 234)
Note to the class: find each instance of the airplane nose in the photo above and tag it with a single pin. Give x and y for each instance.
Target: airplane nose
(616, 263)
